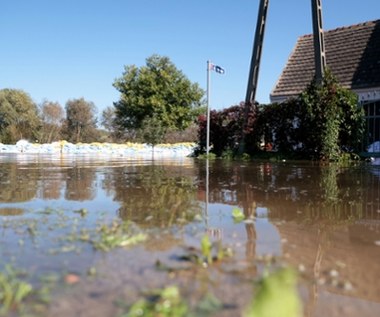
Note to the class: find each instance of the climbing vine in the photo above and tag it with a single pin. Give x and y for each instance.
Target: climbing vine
(322, 123)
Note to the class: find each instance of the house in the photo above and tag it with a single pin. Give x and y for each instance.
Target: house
(353, 56)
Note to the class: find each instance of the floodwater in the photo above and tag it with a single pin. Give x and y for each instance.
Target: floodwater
(323, 221)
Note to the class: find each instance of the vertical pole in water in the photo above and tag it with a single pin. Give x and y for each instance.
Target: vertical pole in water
(208, 109)
(319, 43)
(209, 64)
(207, 192)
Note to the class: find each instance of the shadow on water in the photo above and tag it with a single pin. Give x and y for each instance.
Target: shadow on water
(328, 220)
(322, 220)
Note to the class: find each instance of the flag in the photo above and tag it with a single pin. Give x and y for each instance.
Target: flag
(219, 70)
(216, 68)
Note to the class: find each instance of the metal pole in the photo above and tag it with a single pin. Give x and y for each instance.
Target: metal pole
(207, 191)
(208, 109)
(254, 67)
(319, 43)
(256, 53)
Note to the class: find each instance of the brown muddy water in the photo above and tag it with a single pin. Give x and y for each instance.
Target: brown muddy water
(323, 221)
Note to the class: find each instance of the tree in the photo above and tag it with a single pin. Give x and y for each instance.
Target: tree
(52, 115)
(321, 123)
(80, 125)
(18, 116)
(157, 90)
(152, 132)
(108, 121)
(331, 120)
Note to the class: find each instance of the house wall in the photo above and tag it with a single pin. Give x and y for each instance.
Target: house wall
(370, 101)
(366, 95)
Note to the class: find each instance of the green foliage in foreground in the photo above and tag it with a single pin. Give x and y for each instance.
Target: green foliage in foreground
(237, 215)
(166, 302)
(276, 296)
(118, 234)
(12, 290)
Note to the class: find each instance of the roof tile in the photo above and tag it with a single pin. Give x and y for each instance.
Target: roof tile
(352, 54)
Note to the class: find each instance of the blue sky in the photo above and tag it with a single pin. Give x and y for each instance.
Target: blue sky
(60, 50)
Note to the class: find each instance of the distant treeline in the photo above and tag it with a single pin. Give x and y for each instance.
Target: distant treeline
(158, 103)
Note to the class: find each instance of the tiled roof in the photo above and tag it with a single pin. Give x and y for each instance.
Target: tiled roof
(352, 54)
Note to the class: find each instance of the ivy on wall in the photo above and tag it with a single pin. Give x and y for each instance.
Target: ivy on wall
(323, 122)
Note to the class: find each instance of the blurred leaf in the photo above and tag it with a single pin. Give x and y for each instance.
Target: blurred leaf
(206, 248)
(277, 296)
(238, 215)
(207, 306)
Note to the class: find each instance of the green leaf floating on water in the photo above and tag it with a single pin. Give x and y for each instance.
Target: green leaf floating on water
(118, 234)
(206, 247)
(12, 290)
(166, 302)
(238, 215)
(277, 296)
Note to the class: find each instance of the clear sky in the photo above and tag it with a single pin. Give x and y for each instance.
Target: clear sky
(61, 50)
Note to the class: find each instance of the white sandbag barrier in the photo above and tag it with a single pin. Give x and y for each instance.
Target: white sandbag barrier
(101, 149)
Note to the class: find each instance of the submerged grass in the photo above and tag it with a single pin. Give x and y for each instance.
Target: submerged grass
(166, 302)
(66, 232)
(118, 234)
(107, 234)
(275, 294)
(13, 290)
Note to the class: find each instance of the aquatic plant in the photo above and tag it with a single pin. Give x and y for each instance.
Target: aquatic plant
(276, 296)
(166, 302)
(206, 248)
(118, 234)
(12, 290)
(209, 252)
(237, 215)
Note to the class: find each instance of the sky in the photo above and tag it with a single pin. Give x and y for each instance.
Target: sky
(62, 50)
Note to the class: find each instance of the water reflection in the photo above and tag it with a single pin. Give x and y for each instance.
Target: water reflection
(323, 219)
(155, 195)
(11, 211)
(17, 185)
(328, 219)
(80, 183)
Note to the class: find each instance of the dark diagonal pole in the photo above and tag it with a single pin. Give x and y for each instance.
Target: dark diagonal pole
(256, 52)
(319, 43)
(254, 67)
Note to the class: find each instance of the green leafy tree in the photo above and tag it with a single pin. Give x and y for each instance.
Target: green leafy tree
(80, 125)
(52, 115)
(157, 90)
(108, 119)
(108, 122)
(152, 131)
(18, 116)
